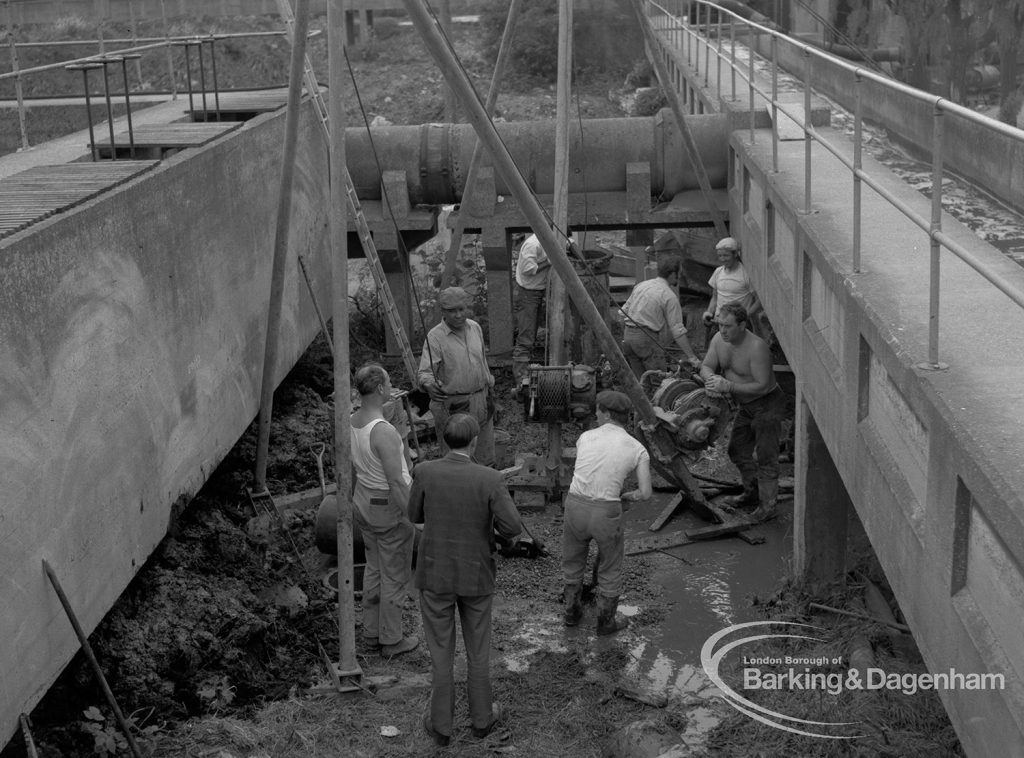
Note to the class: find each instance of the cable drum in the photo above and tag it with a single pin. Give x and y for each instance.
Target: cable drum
(560, 393)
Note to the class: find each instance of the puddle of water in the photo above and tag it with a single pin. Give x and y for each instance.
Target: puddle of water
(542, 633)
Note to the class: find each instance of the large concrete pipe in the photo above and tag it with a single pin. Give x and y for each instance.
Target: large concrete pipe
(436, 157)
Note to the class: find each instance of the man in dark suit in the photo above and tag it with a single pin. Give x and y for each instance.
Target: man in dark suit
(460, 503)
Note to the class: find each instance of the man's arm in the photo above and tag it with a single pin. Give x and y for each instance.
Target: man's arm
(430, 366)
(709, 314)
(506, 516)
(711, 364)
(674, 319)
(643, 481)
(388, 447)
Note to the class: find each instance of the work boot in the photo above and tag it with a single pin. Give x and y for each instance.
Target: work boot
(404, 645)
(748, 499)
(609, 621)
(572, 597)
(441, 740)
(497, 714)
(769, 495)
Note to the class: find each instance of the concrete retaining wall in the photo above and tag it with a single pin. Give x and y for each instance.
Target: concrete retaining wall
(131, 345)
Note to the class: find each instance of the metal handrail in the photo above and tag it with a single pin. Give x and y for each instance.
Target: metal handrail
(941, 107)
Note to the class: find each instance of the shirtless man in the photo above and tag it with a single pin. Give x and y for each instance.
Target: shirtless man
(739, 364)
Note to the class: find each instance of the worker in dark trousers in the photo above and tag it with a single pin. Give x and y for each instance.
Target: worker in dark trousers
(460, 504)
(739, 364)
(605, 456)
(453, 370)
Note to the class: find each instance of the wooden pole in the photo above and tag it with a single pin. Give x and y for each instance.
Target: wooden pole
(83, 640)
(280, 256)
(338, 220)
(556, 287)
(451, 105)
(666, 456)
(504, 50)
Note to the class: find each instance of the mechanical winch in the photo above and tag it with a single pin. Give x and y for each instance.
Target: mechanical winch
(558, 394)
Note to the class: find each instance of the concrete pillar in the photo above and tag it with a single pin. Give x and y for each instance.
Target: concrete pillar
(497, 249)
(638, 240)
(350, 28)
(821, 507)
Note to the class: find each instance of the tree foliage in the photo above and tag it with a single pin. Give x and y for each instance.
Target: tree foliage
(606, 38)
(951, 35)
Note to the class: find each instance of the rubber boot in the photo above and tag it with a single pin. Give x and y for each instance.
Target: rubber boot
(573, 609)
(769, 495)
(747, 499)
(609, 621)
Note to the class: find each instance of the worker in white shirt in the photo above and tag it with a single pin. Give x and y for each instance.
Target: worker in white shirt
(605, 456)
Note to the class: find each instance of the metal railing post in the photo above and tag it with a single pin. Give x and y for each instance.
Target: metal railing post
(718, 58)
(707, 42)
(750, 81)
(807, 130)
(938, 133)
(185, 47)
(18, 92)
(110, 108)
(775, 103)
(732, 57)
(213, 71)
(858, 156)
(128, 101)
(85, 68)
(202, 77)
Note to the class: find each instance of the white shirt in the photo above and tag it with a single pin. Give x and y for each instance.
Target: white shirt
(731, 286)
(369, 469)
(605, 456)
(531, 255)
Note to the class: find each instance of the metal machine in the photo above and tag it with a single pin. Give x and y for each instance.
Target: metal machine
(695, 417)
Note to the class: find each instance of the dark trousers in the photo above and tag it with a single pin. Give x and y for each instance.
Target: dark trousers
(600, 521)
(754, 442)
(438, 611)
(528, 305)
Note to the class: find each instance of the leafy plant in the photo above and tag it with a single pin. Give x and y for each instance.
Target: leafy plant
(108, 739)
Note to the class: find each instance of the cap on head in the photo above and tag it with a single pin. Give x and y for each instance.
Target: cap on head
(612, 400)
(728, 243)
(453, 297)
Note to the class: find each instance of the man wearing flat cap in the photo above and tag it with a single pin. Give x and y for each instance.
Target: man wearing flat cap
(605, 456)
(454, 372)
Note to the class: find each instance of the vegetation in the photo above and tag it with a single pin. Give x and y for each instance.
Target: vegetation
(606, 38)
(952, 36)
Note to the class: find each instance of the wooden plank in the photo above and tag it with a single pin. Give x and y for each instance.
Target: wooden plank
(666, 514)
(718, 530)
(638, 545)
